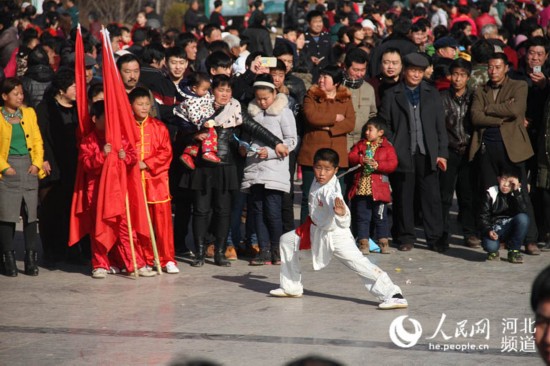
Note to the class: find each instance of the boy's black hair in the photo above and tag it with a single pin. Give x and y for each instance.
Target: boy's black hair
(177, 52)
(541, 289)
(218, 59)
(139, 92)
(97, 109)
(327, 154)
(378, 122)
(510, 172)
(279, 67)
(196, 78)
(94, 90)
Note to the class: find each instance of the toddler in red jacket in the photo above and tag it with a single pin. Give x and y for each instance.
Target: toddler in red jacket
(370, 192)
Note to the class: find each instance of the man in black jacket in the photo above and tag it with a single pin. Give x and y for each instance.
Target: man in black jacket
(414, 113)
(503, 216)
(459, 175)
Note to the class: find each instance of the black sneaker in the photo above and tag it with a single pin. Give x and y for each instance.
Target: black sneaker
(262, 258)
(275, 256)
(514, 256)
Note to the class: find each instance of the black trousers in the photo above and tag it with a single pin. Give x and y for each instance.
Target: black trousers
(493, 158)
(211, 205)
(458, 177)
(288, 198)
(183, 202)
(403, 186)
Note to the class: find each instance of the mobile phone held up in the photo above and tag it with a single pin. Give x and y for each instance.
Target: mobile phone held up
(268, 61)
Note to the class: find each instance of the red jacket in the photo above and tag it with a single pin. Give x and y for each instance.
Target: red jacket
(155, 150)
(92, 159)
(386, 158)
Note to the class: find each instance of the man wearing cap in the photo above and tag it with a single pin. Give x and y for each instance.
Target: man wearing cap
(500, 140)
(416, 122)
(446, 52)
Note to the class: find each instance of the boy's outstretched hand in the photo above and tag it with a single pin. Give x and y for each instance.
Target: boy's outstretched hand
(339, 207)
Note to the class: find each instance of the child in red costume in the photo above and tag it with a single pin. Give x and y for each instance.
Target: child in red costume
(154, 155)
(93, 151)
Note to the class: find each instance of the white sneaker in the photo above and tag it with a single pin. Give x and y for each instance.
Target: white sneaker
(393, 303)
(281, 293)
(114, 270)
(172, 268)
(99, 273)
(146, 272)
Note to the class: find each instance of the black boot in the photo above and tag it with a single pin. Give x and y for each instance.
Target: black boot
(199, 254)
(219, 256)
(10, 267)
(31, 263)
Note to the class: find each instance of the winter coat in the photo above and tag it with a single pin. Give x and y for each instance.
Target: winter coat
(507, 113)
(58, 126)
(364, 105)
(396, 111)
(272, 172)
(496, 205)
(35, 82)
(457, 119)
(386, 158)
(321, 112)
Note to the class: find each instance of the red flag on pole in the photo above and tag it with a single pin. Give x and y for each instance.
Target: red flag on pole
(116, 181)
(80, 219)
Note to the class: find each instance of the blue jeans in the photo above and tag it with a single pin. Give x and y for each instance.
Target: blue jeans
(234, 238)
(512, 231)
(367, 210)
(266, 209)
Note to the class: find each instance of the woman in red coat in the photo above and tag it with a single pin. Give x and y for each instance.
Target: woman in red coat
(370, 191)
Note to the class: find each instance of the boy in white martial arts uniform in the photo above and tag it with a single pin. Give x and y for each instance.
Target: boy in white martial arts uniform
(327, 231)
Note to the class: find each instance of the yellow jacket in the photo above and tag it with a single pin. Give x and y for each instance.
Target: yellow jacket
(33, 139)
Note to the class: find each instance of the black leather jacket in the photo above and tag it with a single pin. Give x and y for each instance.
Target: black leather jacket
(457, 119)
(228, 146)
(496, 206)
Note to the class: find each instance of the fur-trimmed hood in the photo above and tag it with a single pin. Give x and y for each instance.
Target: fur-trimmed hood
(342, 94)
(280, 103)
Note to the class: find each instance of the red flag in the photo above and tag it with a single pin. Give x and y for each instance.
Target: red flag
(80, 219)
(116, 181)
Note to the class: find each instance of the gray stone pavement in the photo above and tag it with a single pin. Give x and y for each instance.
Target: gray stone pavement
(64, 317)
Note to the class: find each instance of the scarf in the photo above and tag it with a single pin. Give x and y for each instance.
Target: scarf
(352, 83)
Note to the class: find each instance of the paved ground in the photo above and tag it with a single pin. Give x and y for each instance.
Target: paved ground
(64, 317)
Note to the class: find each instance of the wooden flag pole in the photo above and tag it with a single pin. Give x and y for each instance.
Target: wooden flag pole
(131, 235)
(151, 230)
